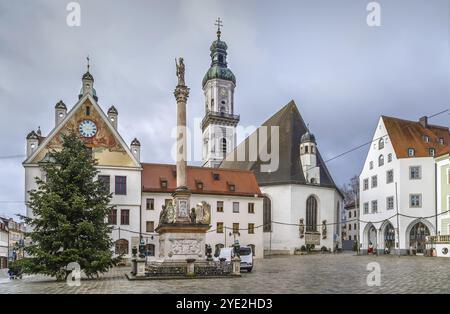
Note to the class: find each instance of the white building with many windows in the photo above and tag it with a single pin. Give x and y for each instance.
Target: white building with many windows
(399, 177)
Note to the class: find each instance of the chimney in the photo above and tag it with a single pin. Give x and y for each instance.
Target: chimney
(424, 121)
(113, 115)
(60, 112)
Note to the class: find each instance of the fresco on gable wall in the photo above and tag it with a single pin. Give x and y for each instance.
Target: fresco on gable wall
(105, 147)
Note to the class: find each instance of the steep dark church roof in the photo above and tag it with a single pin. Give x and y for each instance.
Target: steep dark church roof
(291, 129)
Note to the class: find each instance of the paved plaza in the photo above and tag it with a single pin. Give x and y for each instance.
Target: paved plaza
(328, 273)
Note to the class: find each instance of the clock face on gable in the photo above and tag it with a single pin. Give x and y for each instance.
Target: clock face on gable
(87, 128)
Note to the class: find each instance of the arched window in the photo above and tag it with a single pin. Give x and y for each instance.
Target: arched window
(311, 214)
(267, 214)
(150, 249)
(224, 146)
(121, 247)
(381, 144)
(380, 160)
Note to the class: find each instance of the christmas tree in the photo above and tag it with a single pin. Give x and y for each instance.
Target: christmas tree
(69, 215)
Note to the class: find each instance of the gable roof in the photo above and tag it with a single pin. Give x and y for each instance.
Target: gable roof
(405, 134)
(291, 128)
(43, 141)
(244, 182)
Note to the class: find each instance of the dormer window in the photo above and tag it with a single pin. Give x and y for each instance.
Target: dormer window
(163, 183)
(441, 141)
(432, 152)
(231, 187)
(216, 176)
(426, 138)
(411, 152)
(199, 185)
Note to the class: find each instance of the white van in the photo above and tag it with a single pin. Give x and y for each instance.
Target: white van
(227, 253)
(246, 254)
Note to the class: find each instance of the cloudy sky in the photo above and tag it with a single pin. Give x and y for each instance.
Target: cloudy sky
(341, 73)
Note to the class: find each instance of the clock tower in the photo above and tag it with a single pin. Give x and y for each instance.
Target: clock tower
(219, 123)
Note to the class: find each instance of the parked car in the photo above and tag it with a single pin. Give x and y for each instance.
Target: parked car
(246, 255)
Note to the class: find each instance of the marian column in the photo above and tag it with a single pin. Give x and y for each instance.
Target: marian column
(181, 231)
(182, 194)
(181, 95)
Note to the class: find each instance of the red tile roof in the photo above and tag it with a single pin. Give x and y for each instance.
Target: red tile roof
(405, 134)
(244, 181)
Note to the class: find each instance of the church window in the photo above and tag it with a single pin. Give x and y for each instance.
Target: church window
(224, 146)
(311, 214)
(88, 110)
(267, 214)
(222, 109)
(381, 144)
(220, 58)
(312, 149)
(389, 157)
(306, 149)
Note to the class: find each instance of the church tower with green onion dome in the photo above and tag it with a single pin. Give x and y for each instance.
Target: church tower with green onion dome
(219, 123)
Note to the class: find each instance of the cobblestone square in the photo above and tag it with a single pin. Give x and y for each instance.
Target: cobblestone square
(341, 273)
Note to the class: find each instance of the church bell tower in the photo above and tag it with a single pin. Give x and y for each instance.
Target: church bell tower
(219, 123)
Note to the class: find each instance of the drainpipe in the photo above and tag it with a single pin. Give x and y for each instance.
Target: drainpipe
(398, 224)
(435, 199)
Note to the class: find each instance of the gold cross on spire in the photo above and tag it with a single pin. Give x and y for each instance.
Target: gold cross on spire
(219, 25)
(87, 58)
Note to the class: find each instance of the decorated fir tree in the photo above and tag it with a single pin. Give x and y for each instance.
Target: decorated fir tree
(69, 215)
